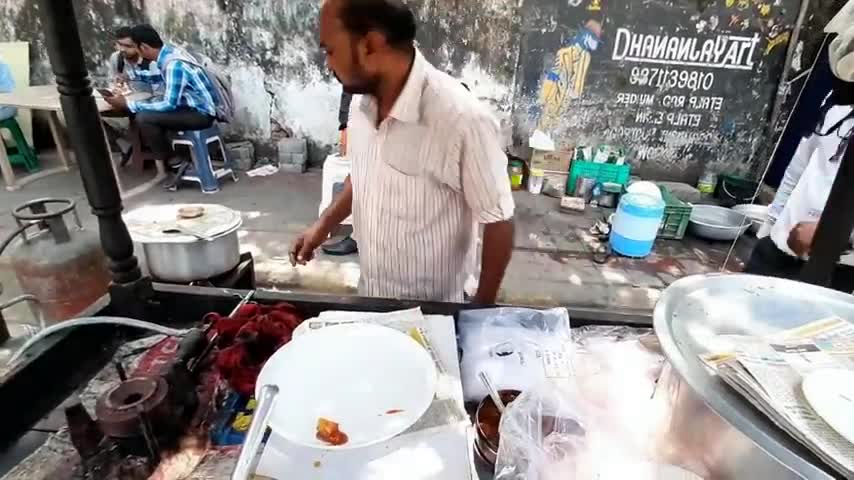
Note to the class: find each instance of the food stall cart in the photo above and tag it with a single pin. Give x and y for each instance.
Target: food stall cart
(58, 366)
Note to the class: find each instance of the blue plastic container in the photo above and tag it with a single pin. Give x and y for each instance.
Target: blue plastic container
(635, 224)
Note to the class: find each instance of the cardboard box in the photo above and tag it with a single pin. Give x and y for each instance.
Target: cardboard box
(551, 162)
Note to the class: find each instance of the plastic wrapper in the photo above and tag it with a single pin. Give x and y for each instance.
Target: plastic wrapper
(517, 347)
(601, 424)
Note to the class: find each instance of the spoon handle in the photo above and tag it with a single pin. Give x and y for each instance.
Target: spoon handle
(249, 450)
(493, 393)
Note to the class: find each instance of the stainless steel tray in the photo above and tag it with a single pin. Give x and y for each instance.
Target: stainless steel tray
(694, 311)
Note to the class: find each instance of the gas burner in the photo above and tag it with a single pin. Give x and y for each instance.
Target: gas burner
(141, 414)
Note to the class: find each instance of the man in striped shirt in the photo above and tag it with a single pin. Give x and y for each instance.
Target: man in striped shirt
(187, 102)
(427, 165)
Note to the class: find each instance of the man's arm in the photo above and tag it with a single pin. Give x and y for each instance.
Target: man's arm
(497, 250)
(303, 248)
(150, 75)
(174, 78)
(487, 192)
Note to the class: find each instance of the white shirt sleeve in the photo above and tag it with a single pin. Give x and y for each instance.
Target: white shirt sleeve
(485, 184)
(792, 175)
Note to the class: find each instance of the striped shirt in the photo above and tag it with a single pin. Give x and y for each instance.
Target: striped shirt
(186, 86)
(422, 182)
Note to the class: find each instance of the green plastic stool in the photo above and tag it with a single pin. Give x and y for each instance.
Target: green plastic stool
(21, 154)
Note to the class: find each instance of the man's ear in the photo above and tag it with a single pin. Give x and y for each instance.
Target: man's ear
(374, 42)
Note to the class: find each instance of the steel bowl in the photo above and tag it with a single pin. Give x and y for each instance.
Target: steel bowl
(487, 420)
(717, 223)
(757, 213)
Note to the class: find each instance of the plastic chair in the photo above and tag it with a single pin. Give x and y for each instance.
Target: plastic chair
(21, 153)
(202, 171)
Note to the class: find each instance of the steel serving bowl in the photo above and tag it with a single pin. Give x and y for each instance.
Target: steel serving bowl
(717, 223)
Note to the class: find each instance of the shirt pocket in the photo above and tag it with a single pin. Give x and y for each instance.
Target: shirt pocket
(403, 149)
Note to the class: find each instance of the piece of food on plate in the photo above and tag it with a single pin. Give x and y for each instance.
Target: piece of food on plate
(328, 432)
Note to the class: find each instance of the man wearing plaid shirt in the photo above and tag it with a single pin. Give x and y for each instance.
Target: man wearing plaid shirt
(187, 102)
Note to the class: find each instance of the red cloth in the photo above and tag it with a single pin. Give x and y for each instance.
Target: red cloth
(247, 339)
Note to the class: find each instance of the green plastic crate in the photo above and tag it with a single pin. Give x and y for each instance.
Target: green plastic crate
(676, 216)
(602, 172)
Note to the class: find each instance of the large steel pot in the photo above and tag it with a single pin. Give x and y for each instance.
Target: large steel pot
(692, 317)
(179, 249)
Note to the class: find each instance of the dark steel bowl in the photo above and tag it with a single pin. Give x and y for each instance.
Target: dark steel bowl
(486, 422)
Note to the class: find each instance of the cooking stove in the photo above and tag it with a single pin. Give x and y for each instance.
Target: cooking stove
(142, 416)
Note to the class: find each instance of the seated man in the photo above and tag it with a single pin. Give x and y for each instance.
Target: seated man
(128, 67)
(129, 74)
(187, 103)
(7, 84)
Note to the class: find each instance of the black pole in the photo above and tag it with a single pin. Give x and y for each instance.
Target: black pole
(834, 227)
(87, 136)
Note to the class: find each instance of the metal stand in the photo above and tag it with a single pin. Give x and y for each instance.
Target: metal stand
(84, 127)
(834, 227)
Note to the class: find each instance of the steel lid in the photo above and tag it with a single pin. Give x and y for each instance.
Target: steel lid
(165, 223)
(694, 311)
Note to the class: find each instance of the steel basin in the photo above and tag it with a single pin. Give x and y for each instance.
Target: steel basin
(717, 223)
(757, 213)
(690, 318)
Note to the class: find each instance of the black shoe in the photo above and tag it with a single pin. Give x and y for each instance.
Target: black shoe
(126, 157)
(175, 161)
(348, 246)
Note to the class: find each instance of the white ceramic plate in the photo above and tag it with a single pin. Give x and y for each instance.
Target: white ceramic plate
(831, 394)
(353, 375)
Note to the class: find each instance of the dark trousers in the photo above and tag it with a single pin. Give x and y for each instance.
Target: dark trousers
(770, 261)
(154, 126)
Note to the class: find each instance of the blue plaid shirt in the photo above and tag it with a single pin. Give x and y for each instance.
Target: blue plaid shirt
(186, 86)
(7, 84)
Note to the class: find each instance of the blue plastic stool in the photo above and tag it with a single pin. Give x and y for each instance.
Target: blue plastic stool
(202, 171)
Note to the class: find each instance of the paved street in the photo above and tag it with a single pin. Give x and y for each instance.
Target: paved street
(551, 264)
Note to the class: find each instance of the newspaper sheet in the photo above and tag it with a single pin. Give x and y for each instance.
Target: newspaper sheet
(769, 372)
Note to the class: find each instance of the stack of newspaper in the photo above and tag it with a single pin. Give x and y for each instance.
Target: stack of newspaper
(769, 371)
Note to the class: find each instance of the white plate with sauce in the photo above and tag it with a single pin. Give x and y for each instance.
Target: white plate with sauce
(374, 381)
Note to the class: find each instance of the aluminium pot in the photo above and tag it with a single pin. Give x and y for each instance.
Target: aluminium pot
(183, 250)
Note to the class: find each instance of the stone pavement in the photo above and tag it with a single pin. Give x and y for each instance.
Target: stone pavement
(551, 263)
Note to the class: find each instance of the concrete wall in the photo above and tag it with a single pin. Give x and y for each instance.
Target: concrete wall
(270, 47)
(501, 48)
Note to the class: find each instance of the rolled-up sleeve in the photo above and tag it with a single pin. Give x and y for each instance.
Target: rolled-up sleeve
(485, 184)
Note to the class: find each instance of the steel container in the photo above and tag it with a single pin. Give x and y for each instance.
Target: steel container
(186, 250)
(733, 439)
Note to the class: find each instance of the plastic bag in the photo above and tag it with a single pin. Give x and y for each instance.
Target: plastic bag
(609, 427)
(517, 347)
(541, 434)
(551, 432)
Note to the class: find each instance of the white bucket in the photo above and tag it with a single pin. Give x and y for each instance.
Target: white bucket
(335, 171)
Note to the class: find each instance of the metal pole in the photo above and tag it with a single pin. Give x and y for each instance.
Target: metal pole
(87, 138)
(834, 227)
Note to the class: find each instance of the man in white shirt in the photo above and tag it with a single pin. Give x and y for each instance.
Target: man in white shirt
(784, 252)
(427, 164)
